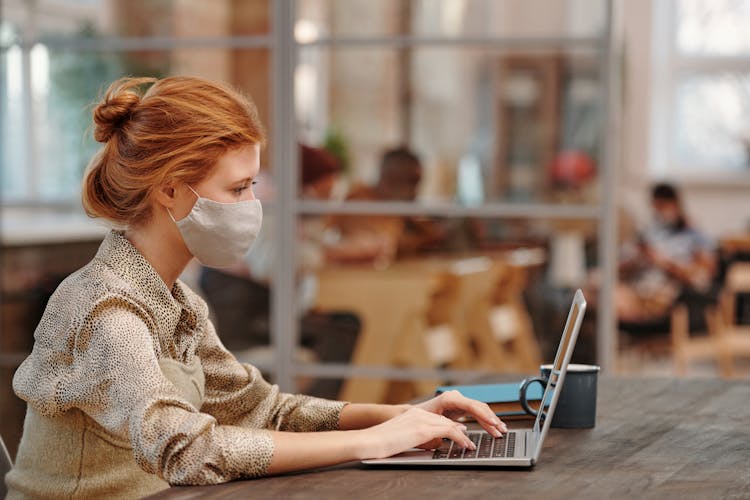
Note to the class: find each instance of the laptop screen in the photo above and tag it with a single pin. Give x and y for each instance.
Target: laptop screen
(562, 358)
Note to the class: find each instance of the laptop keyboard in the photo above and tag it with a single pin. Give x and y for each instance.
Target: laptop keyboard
(487, 447)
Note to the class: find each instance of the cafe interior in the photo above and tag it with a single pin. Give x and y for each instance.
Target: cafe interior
(440, 177)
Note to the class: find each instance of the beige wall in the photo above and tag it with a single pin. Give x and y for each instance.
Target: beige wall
(717, 207)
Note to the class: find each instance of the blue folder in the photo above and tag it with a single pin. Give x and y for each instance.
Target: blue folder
(497, 393)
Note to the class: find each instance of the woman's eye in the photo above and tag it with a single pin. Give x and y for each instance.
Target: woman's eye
(238, 190)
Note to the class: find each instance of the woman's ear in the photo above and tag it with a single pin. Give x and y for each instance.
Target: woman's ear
(165, 194)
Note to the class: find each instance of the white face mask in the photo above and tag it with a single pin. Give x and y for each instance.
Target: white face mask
(220, 234)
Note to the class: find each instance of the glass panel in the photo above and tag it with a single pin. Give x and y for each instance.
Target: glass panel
(485, 294)
(139, 18)
(328, 388)
(716, 27)
(508, 18)
(504, 18)
(712, 121)
(484, 124)
(13, 117)
(240, 307)
(322, 18)
(9, 33)
(68, 82)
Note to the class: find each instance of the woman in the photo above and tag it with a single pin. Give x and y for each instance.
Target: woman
(666, 261)
(128, 388)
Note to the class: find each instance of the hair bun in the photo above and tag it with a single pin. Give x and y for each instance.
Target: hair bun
(117, 105)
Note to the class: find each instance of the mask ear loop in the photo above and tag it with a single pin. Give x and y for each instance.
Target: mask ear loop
(170, 212)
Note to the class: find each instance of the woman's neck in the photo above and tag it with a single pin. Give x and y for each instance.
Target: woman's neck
(162, 247)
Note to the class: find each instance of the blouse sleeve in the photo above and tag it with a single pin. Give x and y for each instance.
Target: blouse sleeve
(237, 394)
(116, 379)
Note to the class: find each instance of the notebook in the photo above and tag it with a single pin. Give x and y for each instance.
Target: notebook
(503, 399)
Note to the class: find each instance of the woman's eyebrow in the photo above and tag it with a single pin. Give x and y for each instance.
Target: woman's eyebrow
(244, 180)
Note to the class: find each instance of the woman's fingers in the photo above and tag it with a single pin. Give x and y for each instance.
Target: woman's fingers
(457, 435)
(447, 428)
(431, 444)
(487, 418)
(480, 411)
(435, 427)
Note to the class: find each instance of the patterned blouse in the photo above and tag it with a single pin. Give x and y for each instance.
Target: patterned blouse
(98, 349)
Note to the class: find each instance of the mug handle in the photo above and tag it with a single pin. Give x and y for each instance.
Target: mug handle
(522, 394)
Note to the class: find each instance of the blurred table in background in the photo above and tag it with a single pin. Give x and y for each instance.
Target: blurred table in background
(462, 311)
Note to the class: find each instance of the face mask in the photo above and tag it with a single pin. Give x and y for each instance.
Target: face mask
(666, 221)
(220, 234)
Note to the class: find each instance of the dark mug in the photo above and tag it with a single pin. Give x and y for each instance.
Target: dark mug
(576, 406)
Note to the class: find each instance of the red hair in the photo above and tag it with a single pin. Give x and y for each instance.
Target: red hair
(176, 131)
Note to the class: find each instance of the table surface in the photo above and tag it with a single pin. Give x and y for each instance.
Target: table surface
(654, 438)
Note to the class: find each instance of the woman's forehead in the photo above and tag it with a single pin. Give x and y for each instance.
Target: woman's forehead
(238, 163)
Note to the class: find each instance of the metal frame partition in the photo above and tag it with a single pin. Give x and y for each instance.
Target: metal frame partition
(284, 325)
(284, 48)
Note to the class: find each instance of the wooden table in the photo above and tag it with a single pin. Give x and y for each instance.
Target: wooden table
(654, 438)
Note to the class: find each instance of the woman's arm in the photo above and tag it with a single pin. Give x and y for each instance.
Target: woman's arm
(423, 425)
(451, 404)
(361, 416)
(411, 428)
(699, 272)
(236, 394)
(376, 431)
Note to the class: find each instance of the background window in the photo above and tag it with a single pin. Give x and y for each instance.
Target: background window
(702, 98)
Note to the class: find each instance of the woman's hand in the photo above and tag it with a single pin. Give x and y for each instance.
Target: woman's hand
(453, 405)
(411, 429)
(426, 424)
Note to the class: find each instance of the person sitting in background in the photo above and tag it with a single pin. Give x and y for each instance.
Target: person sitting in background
(128, 389)
(240, 297)
(379, 237)
(667, 260)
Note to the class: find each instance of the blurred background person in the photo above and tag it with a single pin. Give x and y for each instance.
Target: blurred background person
(374, 238)
(667, 261)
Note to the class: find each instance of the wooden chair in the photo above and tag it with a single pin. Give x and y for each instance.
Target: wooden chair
(482, 304)
(733, 338)
(391, 305)
(726, 338)
(686, 349)
(512, 325)
(671, 336)
(472, 282)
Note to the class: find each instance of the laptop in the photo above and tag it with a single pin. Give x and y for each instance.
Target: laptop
(519, 447)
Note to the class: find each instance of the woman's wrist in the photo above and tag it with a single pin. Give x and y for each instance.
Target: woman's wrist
(361, 416)
(369, 440)
(397, 410)
(387, 412)
(365, 444)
